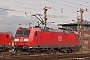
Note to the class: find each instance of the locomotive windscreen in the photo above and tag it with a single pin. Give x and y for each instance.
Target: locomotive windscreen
(22, 33)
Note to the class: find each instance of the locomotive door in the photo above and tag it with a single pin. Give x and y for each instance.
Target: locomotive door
(37, 38)
(7, 39)
(2, 39)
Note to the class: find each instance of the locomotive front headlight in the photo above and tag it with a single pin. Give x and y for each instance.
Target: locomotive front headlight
(25, 40)
(9, 43)
(16, 40)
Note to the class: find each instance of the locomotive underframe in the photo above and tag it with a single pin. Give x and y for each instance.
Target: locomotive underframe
(5, 48)
(61, 49)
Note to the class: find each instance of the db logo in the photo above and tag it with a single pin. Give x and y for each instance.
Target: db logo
(21, 39)
(59, 38)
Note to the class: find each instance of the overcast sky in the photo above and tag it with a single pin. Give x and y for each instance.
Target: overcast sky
(62, 11)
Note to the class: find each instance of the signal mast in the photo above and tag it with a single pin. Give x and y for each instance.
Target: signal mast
(45, 18)
(80, 24)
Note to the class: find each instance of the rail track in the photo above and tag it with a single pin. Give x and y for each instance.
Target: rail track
(26, 56)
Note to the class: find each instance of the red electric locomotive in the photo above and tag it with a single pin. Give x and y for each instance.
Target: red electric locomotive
(46, 40)
(5, 41)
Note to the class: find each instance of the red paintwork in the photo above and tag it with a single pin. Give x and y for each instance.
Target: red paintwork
(5, 39)
(48, 39)
(56, 39)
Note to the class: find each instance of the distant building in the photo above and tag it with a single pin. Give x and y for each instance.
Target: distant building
(85, 32)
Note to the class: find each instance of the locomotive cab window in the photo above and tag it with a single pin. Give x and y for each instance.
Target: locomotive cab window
(7, 36)
(22, 32)
(35, 34)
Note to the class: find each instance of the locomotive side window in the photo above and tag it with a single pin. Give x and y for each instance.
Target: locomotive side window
(7, 36)
(22, 32)
(35, 33)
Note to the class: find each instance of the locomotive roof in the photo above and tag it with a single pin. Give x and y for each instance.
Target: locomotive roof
(54, 30)
(57, 30)
(4, 33)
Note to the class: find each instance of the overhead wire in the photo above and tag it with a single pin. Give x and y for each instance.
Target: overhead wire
(25, 3)
(38, 5)
(61, 8)
(22, 3)
(25, 6)
(10, 9)
(16, 11)
(60, 3)
(22, 7)
(50, 1)
(40, 9)
(66, 4)
(74, 3)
